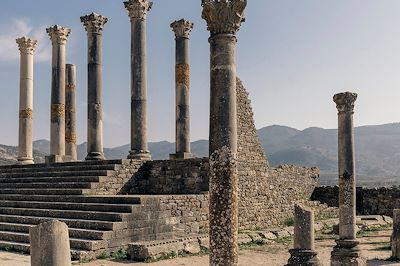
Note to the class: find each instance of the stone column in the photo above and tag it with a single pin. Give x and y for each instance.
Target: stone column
(138, 10)
(303, 252)
(395, 239)
(58, 36)
(27, 47)
(346, 252)
(94, 25)
(70, 112)
(49, 243)
(223, 20)
(182, 29)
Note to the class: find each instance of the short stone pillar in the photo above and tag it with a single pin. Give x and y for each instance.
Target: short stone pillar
(138, 10)
(346, 252)
(58, 36)
(182, 29)
(49, 244)
(70, 112)
(303, 252)
(94, 25)
(27, 47)
(223, 20)
(395, 239)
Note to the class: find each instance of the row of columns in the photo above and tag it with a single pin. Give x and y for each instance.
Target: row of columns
(63, 85)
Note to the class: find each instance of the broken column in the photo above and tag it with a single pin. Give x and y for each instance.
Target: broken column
(223, 21)
(138, 10)
(58, 36)
(70, 112)
(395, 239)
(182, 29)
(27, 47)
(94, 24)
(49, 244)
(346, 252)
(303, 252)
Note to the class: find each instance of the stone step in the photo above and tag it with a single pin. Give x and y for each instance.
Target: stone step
(74, 223)
(14, 246)
(58, 174)
(69, 214)
(98, 207)
(63, 168)
(33, 191)
(57, 165)
(73, 232)
(76, 243)
(61, 185)
(115, 199)
(53, 179)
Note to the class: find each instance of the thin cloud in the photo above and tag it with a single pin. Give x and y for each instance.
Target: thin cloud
(18, 28)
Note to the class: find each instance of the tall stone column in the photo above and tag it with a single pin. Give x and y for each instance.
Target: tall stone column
(94, 25)
(138, 10)
(223, 20)
(58, 36)
(395, 239)
(27, 47)
(182, 29)
(70, 112)
(346, 252)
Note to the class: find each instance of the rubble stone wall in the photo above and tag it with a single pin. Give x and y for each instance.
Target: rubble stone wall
(370, 201)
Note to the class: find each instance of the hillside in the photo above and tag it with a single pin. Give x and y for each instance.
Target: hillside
(377, 150)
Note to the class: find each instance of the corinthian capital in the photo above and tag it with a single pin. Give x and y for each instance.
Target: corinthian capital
(58, 34)
(182, 28)
(138, 8)
(345, 101)
(94, 23)
(26, 45)
(223, 16)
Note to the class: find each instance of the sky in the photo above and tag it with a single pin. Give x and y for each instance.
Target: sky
(292, 55)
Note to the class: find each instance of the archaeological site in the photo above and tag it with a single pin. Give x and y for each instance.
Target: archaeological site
(141, 209)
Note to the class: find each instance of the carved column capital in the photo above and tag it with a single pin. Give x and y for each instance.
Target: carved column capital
(94, 23)
(58, 34)
(138, 8)
(223, 16)
(182, 28)
(345, 101)
(26, 45)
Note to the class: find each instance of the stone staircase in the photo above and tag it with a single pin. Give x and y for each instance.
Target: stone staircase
(67, 192)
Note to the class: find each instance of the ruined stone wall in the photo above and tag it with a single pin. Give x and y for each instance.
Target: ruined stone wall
(370, 201)
(266, 195)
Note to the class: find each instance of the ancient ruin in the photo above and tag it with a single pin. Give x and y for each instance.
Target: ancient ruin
(185, 204)
(303, 252)
(346, 251)
(395, 239)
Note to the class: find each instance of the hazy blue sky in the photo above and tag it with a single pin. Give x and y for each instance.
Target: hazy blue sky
(293, 55)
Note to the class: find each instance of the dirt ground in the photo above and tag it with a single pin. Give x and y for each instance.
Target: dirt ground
(374, 245)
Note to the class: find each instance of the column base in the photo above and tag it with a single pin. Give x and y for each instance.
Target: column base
(139, 155)
(25, 160)
(95, 156)
(182, 155)
(57, 159)
(347, 253)
(303, 257)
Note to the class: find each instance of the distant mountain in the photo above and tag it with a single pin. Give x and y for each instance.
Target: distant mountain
(377, 150)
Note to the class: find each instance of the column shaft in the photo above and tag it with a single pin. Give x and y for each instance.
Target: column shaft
(70, 112)
(139, 145)
(95, 122)
(57, 133)
(182, 100)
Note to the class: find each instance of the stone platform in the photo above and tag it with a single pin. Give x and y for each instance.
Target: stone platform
(31, 194)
